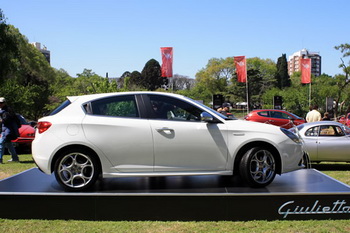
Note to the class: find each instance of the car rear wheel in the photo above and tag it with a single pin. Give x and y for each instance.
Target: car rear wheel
(258, 167)
(76, 170)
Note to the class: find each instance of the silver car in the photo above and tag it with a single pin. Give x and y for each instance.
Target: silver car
(326, 141)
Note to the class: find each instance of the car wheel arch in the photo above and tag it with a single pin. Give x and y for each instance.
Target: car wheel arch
(251, 145)
(77, 147)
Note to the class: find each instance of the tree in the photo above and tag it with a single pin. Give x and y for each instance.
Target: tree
(61, 87)
(25, 74)
(260, 78)
(217, 74)
(151, 76)
(125, 74)
(342, 79)
(180, 82)
(90, 83)
(120, 81)
(282, 76)
(135, 80)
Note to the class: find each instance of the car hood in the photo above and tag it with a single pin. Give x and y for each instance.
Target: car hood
(252, 126)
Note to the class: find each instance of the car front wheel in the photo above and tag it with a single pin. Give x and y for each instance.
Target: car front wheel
(258, 167)
(76, 170)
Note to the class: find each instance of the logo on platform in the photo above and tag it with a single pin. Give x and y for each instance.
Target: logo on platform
(337, 207)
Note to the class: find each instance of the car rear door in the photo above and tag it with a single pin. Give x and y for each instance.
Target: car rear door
(115, 127)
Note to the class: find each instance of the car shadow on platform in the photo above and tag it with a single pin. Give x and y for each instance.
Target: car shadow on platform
(331, 166)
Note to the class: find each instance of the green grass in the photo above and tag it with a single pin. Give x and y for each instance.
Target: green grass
(43, 226)
(339, 171)
(9, 169)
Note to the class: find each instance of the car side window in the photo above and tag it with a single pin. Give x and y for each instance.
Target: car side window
(285, 116)
(119, 106)
(263, 114)
(330, 130)
(339, 131)
(168, 108)
(279, 115)
(312, 132)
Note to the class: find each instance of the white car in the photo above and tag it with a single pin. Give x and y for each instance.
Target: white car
(157, 134)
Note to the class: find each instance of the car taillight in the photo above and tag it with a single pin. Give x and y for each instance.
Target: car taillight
(43, 126)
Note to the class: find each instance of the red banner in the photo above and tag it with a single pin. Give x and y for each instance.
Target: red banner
(241, 68)
(305, 70)
(167, 61)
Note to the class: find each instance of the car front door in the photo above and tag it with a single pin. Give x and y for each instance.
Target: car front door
(181, 141)
(280, 119)
(333, 144)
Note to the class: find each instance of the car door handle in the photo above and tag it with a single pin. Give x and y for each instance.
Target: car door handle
(164, 129)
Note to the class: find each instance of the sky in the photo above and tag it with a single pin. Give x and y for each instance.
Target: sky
(114, 36)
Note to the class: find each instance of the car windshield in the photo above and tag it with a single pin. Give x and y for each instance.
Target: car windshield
(297, 117)
(346, 130)
(22, 120)
(213, 111)
(294, 129)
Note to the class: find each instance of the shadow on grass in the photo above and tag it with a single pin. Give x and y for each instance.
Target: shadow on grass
(331, 166)
(27, 162)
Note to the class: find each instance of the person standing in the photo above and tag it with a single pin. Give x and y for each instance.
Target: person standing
(9, 130)
(326, 117)
(225, 109)
(313, 115)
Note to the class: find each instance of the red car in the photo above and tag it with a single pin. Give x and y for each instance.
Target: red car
(26, 135)
(345, 120)
(280, 118)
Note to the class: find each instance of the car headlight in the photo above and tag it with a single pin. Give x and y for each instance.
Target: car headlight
(291, 135)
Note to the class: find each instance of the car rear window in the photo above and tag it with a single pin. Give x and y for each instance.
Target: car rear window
(60, 108)
(118, 106)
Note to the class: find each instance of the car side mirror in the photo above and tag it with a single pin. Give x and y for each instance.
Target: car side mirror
(206, 117)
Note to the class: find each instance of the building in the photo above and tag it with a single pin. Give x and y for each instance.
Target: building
(294, 65)
(43, 50)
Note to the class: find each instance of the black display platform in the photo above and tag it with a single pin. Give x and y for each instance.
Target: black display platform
(299, 195)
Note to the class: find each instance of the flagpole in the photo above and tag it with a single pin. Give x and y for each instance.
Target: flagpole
(310, 94)
(246, 86)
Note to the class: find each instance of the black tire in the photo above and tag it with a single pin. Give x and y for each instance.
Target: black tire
(305, 161)
(76, 170)
(258, 167)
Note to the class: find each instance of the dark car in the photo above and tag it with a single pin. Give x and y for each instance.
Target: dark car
(276, 117)
(26, 135)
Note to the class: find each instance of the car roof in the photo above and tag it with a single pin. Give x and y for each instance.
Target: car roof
(86, 98)
(310, 124)
(306, 126)
(261, 110)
